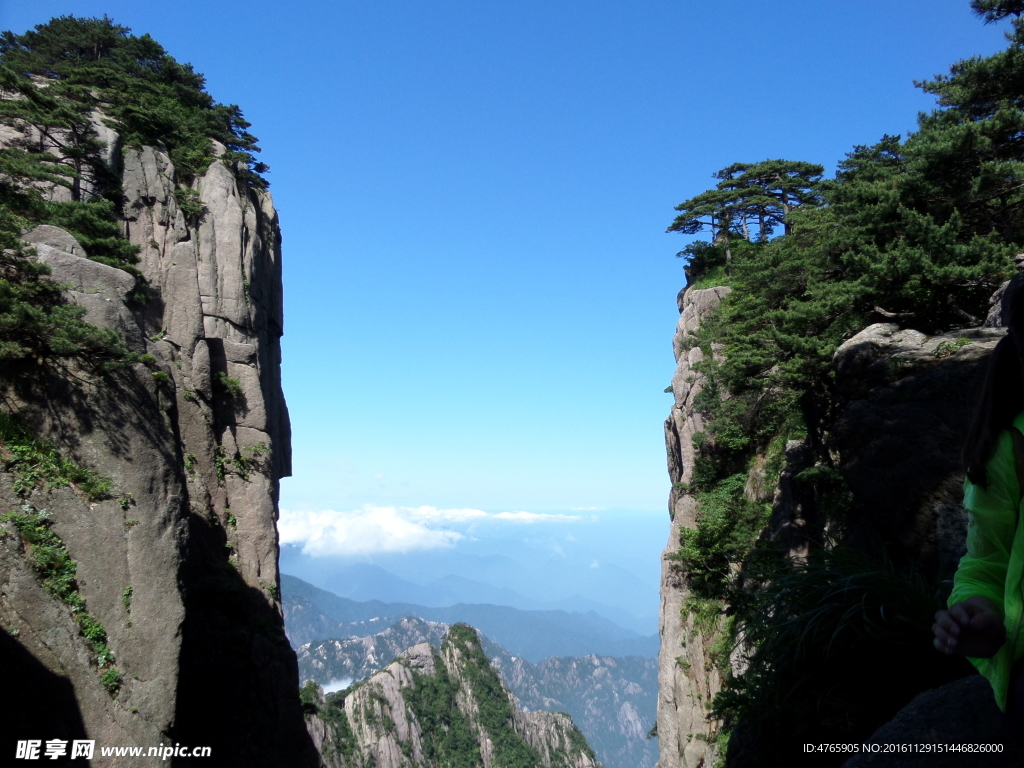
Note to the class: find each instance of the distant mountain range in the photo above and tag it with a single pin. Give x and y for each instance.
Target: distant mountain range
(313, 614)
(613, 701)
(365, 581)
(541, 571)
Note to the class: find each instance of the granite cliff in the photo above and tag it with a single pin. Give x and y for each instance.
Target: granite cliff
(686, 679)
(172, 558)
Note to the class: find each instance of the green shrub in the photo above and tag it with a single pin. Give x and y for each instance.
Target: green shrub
(111, 679)
(251, 459)
(37, 463)
(227, 385)
(191, 206)
(309, 696)
(727, 527)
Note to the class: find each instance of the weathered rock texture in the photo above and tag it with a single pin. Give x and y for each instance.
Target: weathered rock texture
(190, 529)
(383, 728)
(686, 680)
(356, 658)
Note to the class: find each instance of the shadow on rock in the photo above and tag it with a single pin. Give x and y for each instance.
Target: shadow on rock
(37, 703)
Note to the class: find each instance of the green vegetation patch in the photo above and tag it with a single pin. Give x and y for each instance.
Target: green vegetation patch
(37, 324)
(728, 525)
(822, 634)
(37, 463)
(916, 230)
(50, 560)
(227, 385)
(149, 97)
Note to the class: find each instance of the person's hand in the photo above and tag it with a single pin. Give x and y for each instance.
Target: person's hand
(973, 627)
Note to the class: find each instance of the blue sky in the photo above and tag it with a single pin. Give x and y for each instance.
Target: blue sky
(480, 294)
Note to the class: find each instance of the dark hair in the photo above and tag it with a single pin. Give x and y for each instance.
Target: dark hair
(1002, 396)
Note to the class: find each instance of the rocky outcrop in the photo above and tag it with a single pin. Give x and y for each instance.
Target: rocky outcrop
(434, 708)
(179, 562)
(686, 680)
(613, 701)
(356, 658)
(903, 404)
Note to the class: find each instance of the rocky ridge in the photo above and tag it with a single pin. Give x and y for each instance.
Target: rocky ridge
(439, 707)
(611, 700)
(356, 658)
(179, 565)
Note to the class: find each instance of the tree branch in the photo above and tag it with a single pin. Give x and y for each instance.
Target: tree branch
(894, 315)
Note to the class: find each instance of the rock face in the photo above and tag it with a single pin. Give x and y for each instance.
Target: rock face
(431, 708)
(904, 402)
(685, 679)
(179, 565)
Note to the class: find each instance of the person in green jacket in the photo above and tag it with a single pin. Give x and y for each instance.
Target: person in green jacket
(986, 607)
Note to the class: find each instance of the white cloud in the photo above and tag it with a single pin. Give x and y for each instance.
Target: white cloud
(360, 532)
(432, 514)
(373, 529)
(535, 517)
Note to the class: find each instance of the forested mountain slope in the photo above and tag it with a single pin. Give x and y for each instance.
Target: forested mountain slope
(611, 700)
(440, 707)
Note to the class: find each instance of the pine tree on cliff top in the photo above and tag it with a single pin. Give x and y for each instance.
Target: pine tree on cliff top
(147, 94)
(55, 82)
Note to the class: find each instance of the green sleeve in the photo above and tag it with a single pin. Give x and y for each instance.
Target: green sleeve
(992, 522)
(990, 563)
